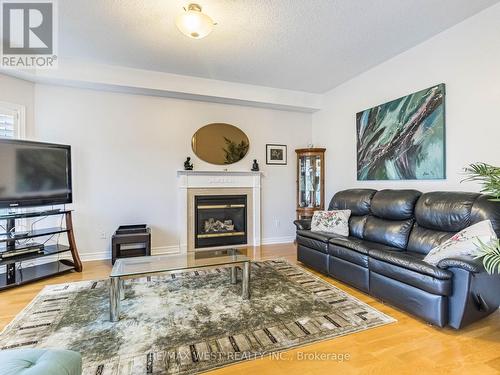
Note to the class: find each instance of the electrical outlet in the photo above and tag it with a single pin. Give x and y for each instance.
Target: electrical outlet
(276, 222)
(103, 236)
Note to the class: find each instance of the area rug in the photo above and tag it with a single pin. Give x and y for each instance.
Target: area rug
(184, 323)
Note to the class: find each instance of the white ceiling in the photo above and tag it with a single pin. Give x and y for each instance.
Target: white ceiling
(306, 45)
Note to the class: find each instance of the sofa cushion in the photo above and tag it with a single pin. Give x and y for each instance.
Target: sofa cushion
(416, 279)
(357, 226)
(408, 268)
(354, 250)
(359, 245)
(410, 261)
(423, 240)
(394, 204)
(388, 232)
(314, 240)
(356, 200)
(335, 221)
(446, 211)
(486, 209)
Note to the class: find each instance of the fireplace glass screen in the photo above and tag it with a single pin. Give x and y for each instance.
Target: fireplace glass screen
(220, 220)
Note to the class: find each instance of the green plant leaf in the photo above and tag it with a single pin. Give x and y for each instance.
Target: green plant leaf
(490, 252)
(486, 174)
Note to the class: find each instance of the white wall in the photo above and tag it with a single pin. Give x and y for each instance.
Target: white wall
(467, 59)
(127, 149)
(18, 91)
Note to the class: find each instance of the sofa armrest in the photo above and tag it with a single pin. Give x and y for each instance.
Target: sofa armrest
(466, 263)
(474, 291)
(304, 224)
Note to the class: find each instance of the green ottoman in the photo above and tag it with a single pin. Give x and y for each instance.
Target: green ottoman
(40, 362)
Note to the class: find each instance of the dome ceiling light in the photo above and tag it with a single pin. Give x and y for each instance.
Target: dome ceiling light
(194, 23)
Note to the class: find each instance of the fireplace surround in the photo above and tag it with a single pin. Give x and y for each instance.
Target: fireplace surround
(193, 184)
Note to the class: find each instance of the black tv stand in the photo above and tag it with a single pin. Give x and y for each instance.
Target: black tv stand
(12, 253)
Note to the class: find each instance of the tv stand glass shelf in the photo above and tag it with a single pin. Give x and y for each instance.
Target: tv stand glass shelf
(20, 247)
(24, 215)
(5, 237)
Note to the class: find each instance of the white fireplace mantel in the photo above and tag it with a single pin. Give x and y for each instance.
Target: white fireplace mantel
(211, 180)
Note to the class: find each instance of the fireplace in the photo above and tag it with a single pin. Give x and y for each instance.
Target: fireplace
(220, 220)
(194, 184)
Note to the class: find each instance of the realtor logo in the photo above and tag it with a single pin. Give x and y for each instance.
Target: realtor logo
(28, 34)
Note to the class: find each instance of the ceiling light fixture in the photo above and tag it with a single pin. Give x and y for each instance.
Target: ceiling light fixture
(194, 23)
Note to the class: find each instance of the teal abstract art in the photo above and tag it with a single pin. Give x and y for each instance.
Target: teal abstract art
(403, 139)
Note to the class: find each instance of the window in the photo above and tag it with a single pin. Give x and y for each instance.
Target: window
(7, 124)
(11, 120)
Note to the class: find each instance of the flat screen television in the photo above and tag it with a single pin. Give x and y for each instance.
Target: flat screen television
(34, 173)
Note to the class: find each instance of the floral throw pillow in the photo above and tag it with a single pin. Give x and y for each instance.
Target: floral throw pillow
(463, 243)
(336, 221)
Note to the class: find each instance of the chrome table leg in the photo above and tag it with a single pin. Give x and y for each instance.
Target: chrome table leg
(114, 299)
(122, 289)
(234, 275)
(245, 285)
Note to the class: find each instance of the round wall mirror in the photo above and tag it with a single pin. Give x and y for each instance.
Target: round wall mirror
(220, 144)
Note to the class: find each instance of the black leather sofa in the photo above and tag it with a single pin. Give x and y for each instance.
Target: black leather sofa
(390, 232)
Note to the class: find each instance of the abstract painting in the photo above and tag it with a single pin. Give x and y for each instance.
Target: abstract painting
(403, 139)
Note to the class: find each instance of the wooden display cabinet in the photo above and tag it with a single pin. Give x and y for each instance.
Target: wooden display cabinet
(310, 181)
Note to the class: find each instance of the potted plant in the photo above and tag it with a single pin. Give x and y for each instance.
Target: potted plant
(489, 176)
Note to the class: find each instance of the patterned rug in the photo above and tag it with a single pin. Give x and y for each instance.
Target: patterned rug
(184, 323)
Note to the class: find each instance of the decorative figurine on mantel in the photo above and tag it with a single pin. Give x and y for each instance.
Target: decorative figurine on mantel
(255, 166)
(188, 166)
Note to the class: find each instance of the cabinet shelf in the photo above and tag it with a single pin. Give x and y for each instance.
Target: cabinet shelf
(4, 237)
(29, 274)
(47, 251)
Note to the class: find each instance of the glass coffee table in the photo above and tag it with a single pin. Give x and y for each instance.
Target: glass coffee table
(128, 268)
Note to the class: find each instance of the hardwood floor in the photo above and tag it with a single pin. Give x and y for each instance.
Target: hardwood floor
(407, 347)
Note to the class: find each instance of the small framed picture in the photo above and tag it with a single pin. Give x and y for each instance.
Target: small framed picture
(276, 154)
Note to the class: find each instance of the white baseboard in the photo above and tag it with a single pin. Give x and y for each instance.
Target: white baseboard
(96, 255)
(276, 240)
(164, 250)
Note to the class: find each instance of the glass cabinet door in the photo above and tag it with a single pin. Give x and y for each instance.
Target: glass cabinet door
(309, 181)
